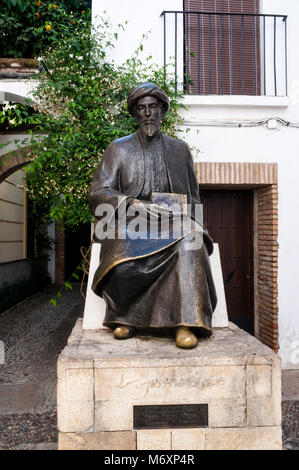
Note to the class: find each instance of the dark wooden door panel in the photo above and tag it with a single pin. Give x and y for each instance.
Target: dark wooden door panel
(228, 217)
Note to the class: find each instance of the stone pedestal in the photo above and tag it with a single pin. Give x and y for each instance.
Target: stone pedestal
(101, 380)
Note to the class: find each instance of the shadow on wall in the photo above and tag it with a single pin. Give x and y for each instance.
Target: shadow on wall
(21, 279)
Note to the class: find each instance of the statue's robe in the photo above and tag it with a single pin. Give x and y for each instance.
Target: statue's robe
(152, 283)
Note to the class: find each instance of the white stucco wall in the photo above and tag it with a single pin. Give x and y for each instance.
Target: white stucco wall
(250, 144)
(142, 18)
(21, 88)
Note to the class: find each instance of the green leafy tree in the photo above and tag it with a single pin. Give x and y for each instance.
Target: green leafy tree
(27, 27)
(16, 117)
(82, 109)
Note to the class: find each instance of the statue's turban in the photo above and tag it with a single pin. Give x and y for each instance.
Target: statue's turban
(147, 89)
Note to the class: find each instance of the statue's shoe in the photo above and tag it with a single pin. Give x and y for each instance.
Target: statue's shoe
(185, 339)
(123, 332)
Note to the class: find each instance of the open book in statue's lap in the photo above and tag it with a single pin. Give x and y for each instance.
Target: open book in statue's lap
(161, 280)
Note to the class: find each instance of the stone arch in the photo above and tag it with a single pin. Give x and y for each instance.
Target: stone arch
(16, 98)
(13, 161)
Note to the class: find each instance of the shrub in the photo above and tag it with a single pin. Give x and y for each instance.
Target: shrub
(82, 104)
(27, 27)
(14, 292)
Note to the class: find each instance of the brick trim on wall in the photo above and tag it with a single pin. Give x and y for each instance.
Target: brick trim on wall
(263, 179)
(267, 265)
(250, 174)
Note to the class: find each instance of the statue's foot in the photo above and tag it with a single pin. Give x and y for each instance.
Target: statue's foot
(185, 338)
(123, 332)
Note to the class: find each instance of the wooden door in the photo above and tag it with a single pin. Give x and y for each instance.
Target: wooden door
(74, 240)
(228, 216)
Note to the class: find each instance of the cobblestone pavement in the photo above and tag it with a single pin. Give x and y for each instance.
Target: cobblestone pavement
(34, 333)
(290, 409)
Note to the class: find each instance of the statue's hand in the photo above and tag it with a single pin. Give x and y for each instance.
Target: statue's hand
(153, 210)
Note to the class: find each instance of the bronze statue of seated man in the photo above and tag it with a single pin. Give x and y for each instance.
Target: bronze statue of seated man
(153, 284)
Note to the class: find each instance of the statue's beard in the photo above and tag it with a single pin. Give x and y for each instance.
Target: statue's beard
(150, 129)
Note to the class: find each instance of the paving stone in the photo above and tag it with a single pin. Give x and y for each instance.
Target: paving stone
(34, 334)
(27, 428)
(290, 422)
(18, 398)
(38, 446)
(33, 338)
(290, 385)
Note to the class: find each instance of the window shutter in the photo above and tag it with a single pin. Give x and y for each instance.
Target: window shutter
(222, 53)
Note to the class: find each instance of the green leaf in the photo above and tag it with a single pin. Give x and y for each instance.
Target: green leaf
(83, 111)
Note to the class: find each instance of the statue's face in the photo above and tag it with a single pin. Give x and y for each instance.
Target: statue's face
(149, 115)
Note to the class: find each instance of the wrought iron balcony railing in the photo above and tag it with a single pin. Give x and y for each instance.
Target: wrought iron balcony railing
(227, 53)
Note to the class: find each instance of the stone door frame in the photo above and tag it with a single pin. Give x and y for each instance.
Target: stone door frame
(262, 178)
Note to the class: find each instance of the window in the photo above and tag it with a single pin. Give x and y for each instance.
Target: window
(222, 52)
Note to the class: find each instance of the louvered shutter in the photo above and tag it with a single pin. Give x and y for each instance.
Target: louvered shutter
(222, 53)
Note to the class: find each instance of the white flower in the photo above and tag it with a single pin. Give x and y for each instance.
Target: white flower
(7, 106)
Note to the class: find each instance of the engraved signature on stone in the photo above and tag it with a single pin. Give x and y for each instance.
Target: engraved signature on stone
(145, 385)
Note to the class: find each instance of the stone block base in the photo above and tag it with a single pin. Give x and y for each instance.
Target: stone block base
(101, 380)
